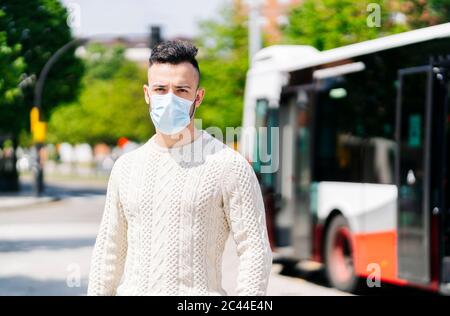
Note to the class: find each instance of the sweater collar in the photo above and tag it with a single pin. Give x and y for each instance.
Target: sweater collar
(198, 135)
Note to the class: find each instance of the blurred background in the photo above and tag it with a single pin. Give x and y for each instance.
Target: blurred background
(71, 102)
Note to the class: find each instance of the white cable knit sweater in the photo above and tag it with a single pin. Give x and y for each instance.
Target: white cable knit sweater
(167, 216)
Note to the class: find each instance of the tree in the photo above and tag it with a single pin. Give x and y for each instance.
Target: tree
(111, 104)
(327, 24)
(223, 58)
(422, 13)
(39, 28)
(11, 67)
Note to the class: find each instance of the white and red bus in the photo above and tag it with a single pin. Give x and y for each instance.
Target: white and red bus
(363, 149)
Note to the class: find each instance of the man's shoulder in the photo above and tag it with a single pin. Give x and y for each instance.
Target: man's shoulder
(228, 156)
(127, 158)
(220, 149)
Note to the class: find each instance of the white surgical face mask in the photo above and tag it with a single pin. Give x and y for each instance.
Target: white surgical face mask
(170, 113)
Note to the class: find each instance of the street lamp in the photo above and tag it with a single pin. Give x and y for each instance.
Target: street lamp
(38, 184)
(254, 28)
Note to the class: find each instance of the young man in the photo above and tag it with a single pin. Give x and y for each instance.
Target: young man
(172, 202)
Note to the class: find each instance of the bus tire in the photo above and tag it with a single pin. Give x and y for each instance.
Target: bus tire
(339, 263)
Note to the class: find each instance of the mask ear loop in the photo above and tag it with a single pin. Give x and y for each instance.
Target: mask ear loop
(195, 108)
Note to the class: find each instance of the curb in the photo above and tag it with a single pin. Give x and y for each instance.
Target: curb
(14, 203)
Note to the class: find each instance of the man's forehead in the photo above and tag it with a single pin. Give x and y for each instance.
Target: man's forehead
(183, 73)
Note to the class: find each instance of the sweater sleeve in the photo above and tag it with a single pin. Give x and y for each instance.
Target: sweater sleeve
(245, 213)
(109, 254)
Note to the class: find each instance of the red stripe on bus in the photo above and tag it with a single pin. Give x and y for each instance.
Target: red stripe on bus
(379, 248)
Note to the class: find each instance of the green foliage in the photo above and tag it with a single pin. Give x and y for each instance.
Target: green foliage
(39, 28)
(111, 104)
(327, 24)
(425, 13)
(103, 70)
(11, 67)
(223, 60)
(324, 24)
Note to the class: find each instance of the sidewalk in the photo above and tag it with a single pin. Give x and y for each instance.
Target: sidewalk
(15, 202)
(55, 189)
(25, 198)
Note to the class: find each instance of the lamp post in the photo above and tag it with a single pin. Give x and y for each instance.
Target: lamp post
(37, 126)
(38, 129)
(254, 28)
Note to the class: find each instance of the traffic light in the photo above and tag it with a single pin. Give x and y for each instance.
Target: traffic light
(38, 128)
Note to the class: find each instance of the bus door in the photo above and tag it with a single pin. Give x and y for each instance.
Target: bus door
(446, 223)
(413, 173)
(302, 234)
(265, 158)
(284, 220)
(440, 171)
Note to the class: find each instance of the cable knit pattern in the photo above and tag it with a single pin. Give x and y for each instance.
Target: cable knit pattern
(167, 216)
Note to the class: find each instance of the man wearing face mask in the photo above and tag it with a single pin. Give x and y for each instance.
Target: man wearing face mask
(172, 203)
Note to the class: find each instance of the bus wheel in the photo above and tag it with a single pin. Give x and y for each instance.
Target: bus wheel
(339, 262)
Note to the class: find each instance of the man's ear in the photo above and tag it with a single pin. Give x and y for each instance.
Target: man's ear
(146, 93)
(199, 97)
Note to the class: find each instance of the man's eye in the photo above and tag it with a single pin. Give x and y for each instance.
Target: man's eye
(159, 89)
(182, 90)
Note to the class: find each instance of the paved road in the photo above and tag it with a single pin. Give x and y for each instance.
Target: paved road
(45, 250)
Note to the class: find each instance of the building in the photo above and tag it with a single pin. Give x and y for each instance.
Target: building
(273, 15)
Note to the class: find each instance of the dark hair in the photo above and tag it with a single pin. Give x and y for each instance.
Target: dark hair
(175, 52)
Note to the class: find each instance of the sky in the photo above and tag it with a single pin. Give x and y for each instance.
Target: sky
(121, 17)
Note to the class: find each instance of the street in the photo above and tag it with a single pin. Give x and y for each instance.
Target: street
(338, 111)
(45, 249)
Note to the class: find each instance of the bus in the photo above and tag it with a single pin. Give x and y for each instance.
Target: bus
(362, 183)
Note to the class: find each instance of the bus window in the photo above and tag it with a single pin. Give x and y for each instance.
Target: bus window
(339, 133)
(378, 106)
(265, 119)
(355, 130)
(260, 121)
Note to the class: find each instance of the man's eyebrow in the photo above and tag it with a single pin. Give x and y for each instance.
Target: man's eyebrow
(183, 85)
(158, 85)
